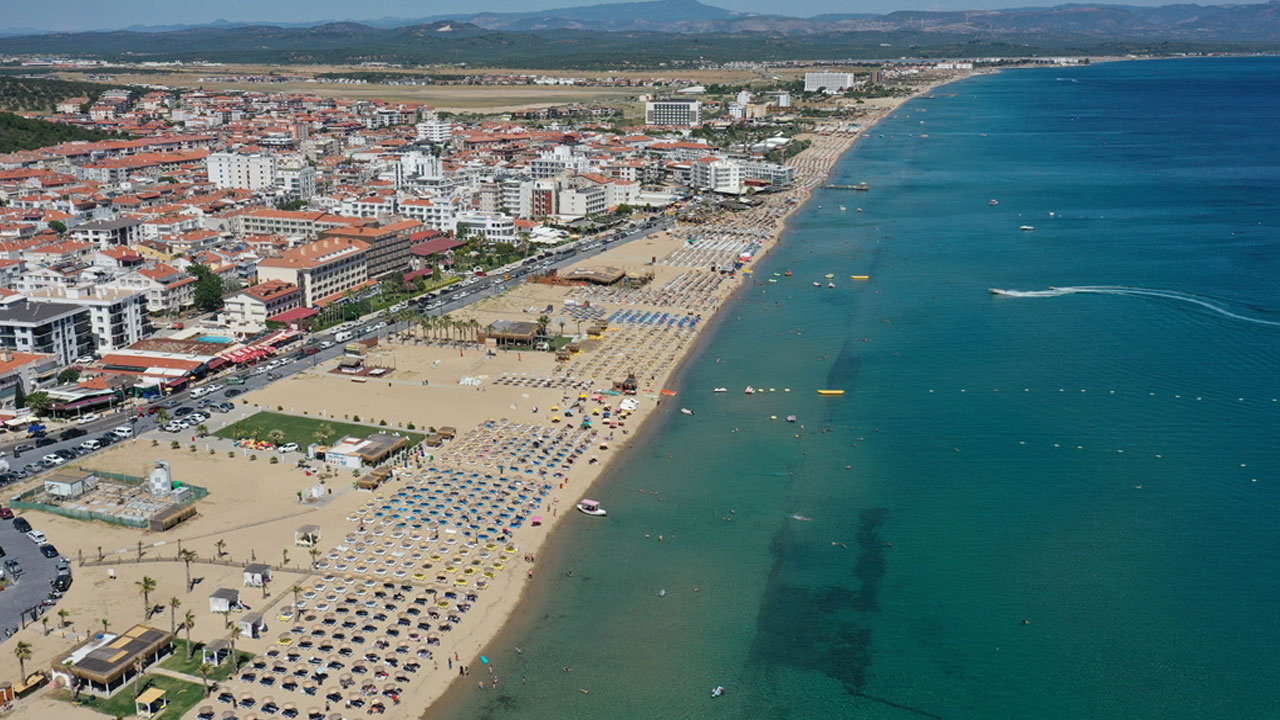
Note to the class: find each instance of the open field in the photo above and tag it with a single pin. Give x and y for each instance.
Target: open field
(302, 430)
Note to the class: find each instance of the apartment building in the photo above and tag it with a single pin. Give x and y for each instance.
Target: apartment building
(250, 171)
(320, 269)
(388, 244)
(291, 222)
(494, 227)
(117, 315)
(829, 82)
(63, 331)
(248, 310)
(673, 112)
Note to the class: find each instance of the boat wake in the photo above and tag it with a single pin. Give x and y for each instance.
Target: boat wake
(1134, 292)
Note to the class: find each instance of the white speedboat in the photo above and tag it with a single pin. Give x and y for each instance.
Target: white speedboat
(592, 508)
(720, 389)
(686, 411)
(1026, 228)
(750, 390)
(717, 691)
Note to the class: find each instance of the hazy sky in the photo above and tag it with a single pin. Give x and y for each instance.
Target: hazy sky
(105, 14)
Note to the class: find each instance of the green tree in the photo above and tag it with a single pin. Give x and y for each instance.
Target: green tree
(187, 556)
(323, 433)
(204, 670)
(58, 226)
(19, 396)
(188, 622)
(175, 602)
(39, 402)
(209, 287)
(68, 376)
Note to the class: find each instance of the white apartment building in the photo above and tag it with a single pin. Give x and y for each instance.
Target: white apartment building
(238, 170)
(673, 112)
(517, 197)
(55, 329)
(435, 213)
(434, 130)
(248, 310)
(830, 82)
(319, 269)
(717, 175)
(495, 227)
(117, 315)
(779, 175)
(297, 178)
(587, 199)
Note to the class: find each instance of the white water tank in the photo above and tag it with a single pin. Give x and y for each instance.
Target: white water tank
(160, 479)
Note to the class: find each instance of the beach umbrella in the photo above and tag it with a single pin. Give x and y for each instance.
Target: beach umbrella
(484, 659)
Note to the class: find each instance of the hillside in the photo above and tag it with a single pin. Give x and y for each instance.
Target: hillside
(19, 133)
(19, 94)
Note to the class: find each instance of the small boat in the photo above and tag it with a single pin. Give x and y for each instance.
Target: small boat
(830, 392)
(750, 390)
(829, 275)
(787, 273)
(791, 418)
(717, 691)
(831, 285)
(993, 202)
(859, 277)
(773, 280)
(842, 208)
(662, 592)
(592, 508)
(720, 389)
(817, 284)
(1026, 228)
(686, 411)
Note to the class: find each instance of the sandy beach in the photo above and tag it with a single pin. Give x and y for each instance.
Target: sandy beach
(522, 450)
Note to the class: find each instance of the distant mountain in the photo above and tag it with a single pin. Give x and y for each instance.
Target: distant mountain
(666, 31)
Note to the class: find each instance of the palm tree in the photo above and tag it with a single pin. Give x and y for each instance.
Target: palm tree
(220, 545)
(174, 603)
(202, 430)
(204, 670)
(105, 624)
(44, 620)
(22, 651)
(297, 589)
(314, 552)
(162, 416)
(146, 586)
(284, 556)
(137, 678)
(63, 614)
(562, 326)
(188, 557)
(276, 436)
(323, 433)
(188, 622)
(235, 660)
(543, 321)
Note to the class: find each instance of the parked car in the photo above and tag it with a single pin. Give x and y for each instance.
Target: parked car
(232, 392)
(122, 432)
(90, 444)
(289, 447)
(21, 525)
(48, 551)
(185, 410)
(235, 380)
(37, 537)
(12, 567)
(6, 513)
(45, 442)
(70, 433)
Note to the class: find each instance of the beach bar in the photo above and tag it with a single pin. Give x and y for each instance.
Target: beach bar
(104, 663)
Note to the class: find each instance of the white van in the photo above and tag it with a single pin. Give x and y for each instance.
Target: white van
(122, 432)
(343, 336)
(199, 392)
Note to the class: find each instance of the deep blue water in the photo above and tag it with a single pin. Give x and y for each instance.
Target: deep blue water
(977, 543)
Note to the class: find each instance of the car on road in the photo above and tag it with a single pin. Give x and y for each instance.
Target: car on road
(185, 410)
(45, 442)
(289, 447)
(88, 418)
(107, 439)
(237, 380)
(91, 444)
(12, 567)
(122, 432)
(225, 407)
(48, 551)
(24, 447)
(37, 537)
(70, 433)
(214, 387)
(21, 525)
(326, 344)
(231, 393)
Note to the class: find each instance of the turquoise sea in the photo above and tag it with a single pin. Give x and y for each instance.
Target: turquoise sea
(1061, 505)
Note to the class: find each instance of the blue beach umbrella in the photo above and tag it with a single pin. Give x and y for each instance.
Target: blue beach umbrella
(484, 659)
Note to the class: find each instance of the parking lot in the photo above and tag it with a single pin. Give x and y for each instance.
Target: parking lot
(32, 586)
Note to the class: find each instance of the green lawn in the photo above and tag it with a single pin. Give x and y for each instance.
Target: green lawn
(178, 661)
(181, 695)
(302, 430)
